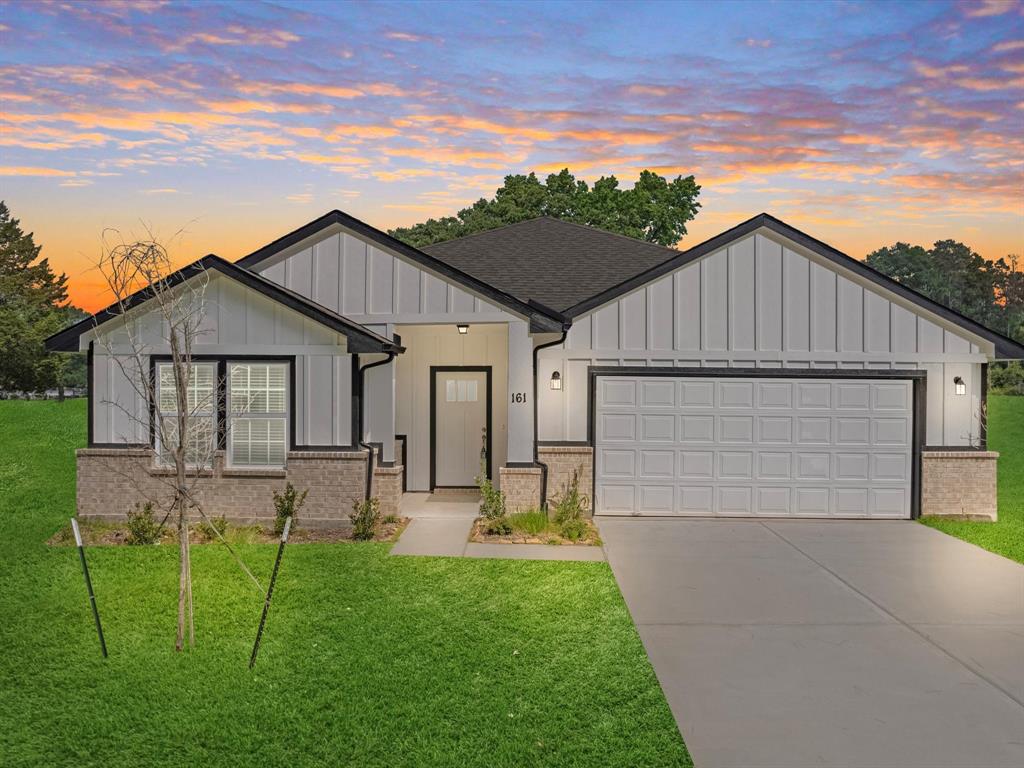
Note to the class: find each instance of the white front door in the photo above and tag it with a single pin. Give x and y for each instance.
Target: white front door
(460, 426)
(771, 447)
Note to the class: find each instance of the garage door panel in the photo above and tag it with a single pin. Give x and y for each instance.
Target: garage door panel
(685, 445)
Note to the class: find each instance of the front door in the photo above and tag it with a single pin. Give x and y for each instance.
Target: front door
(460, 441)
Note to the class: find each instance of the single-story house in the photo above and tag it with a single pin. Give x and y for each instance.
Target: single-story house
(760, 373)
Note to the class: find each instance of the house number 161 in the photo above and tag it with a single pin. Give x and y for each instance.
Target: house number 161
(518, 397)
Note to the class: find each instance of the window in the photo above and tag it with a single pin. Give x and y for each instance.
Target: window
(201, 389)
(460, 391)
(258, 420)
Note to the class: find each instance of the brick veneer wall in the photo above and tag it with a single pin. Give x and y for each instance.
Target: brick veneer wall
(959, 483)
(562, 461)
(112, 480)
(521, 486)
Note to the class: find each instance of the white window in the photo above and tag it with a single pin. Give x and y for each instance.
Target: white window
(258, 418)
(201, 389)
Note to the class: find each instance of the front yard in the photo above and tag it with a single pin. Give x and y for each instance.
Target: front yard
(367, 661)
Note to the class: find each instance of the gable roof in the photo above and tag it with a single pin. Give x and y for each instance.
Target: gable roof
(542, 317)
(554, 262)
(1005, 347)
(360, 338)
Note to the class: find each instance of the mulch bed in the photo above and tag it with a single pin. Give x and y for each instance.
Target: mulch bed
(96, 534)
(479, 536)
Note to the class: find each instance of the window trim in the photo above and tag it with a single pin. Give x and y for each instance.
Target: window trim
(289, 411)
(215, 412)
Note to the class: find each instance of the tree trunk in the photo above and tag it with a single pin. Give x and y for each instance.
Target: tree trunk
(179, 642)
(60, 393)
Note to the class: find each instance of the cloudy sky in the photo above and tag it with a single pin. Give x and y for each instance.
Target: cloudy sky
(860, 123)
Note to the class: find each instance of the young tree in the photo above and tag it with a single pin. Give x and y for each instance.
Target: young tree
(653, 209)
(31, 299)
(182, 401)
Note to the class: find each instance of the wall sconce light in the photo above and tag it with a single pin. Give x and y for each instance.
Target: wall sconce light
(463, 328)
(958, 386)
(556, 380)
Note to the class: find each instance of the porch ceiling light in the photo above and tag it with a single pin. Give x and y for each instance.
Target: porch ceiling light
(463, 328)
(959, 386)
(556, 380)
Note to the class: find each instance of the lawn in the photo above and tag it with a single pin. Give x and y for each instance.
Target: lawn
(367, 661)
(1006, 435)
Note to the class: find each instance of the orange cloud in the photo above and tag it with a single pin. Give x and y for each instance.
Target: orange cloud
(989, 83)
(27, 170)
(990, 8)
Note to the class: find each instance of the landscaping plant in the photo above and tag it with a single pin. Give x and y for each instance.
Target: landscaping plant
(492, 501)
(571, 505)
(287, 504)
(365, 517)
(142, 528)
(532, 522)
(216, 526)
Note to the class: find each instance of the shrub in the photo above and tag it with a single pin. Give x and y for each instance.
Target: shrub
(492, 501)
(533, 522)
(571, 505)
(142, 528)
(287, 505)
(390, 519)
(365, 517)
(574, 530)
(497, 526)
(1006, 378)
(210, 529)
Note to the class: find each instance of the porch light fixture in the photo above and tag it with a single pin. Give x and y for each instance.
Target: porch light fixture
(463, 328)
(556, 380)
(958, 386)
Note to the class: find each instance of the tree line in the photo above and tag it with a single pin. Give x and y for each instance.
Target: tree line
(34, 301)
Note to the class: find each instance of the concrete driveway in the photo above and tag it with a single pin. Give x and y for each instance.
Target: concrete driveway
(828, 643)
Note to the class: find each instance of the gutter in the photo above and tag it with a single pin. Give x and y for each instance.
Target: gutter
(566, 324)
(391, 355)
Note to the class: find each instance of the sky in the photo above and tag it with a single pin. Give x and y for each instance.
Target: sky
(220, 127)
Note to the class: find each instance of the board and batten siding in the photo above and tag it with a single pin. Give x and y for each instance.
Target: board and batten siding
(236, 321)
(366, 284)
(759, 303)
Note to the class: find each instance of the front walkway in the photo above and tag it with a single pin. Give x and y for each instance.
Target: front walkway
(828, 643)
(441, 524)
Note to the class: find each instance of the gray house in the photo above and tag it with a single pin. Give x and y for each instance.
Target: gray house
(760, 373)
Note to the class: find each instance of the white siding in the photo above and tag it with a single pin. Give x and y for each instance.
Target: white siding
(351, 276)
(236, 321)
(763, 303)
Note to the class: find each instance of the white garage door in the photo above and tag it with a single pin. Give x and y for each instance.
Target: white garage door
(769, 447)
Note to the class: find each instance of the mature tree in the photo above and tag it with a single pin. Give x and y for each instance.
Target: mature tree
(989, 292)
(31, 296)
(653, 209)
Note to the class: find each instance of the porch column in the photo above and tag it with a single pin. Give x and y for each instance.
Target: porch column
(520, 393)
(379, 408)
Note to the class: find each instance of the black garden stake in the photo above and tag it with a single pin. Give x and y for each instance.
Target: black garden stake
(270, 591)
(88, 586)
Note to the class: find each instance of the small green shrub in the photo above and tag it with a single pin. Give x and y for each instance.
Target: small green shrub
(287, 504)
(390, 519)
(571, 505)
(492, 501)
(533, 522)
(142, 528)
(574, 530)
(497, 526)
(209, 530)
(365, 517)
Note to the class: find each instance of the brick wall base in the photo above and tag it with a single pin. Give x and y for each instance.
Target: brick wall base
(110, 481)
(562, 461)
(959, 483)
(521, 486)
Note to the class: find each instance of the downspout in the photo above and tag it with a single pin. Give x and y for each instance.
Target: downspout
(536, 411)
(362, 404)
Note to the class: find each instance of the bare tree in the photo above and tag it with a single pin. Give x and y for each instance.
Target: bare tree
(181, 396)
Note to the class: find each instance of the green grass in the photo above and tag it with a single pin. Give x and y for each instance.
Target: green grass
(367, 661)
(533, 522)
(1006, 435)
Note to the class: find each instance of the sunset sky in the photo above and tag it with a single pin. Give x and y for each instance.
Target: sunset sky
(861, 123)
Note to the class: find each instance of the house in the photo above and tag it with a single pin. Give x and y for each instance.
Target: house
(759, 373)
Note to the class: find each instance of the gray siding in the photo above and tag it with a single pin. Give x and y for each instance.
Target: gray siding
(236, 321)
(369, 285)
(762, 303)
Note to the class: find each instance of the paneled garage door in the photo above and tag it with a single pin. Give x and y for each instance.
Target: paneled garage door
(772, 447)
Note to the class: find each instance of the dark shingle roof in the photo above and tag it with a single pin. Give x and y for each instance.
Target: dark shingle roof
(554, 262)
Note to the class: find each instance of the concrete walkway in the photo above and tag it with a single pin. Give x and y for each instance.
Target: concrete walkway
(441, 525)
(828, 643)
